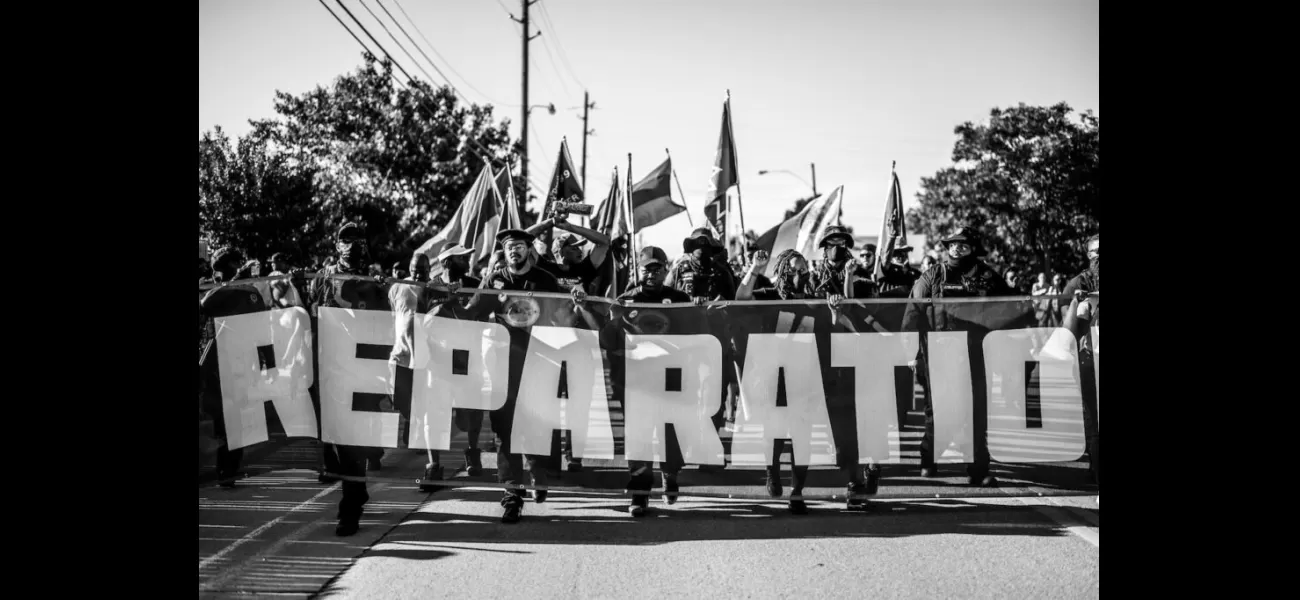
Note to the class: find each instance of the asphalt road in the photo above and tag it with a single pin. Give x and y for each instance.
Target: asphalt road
(273, 534)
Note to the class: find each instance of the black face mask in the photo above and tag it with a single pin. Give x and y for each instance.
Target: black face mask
(962, 264)
(836, 254)
(352, 253)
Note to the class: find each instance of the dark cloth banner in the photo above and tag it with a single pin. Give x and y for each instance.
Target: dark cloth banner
(859, 381)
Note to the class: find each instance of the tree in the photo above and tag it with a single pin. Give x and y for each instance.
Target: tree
(400, 161)
(253, 198)
(1028, 181)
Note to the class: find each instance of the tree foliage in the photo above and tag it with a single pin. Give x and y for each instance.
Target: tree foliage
(400, 161)
(1028, 181)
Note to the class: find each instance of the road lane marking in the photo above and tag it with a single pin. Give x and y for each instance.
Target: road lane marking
(254, 533)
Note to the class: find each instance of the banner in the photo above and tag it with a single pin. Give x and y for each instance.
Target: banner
(863, 383)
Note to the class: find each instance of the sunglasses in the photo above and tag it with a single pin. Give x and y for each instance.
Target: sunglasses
(835, 242)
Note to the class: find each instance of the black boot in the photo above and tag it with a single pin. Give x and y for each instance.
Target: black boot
(432, 473)
(514, 508)
(774, 481)
(873, 478)
(473, 462)
(640, 502)
(856, 488)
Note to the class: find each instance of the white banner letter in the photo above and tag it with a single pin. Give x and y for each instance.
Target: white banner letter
(342, 374)
(538, 409)
(804, 420)
(873, 357)
(677, 380)
(245, 387)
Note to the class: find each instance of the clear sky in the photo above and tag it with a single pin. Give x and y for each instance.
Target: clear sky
(850, 85)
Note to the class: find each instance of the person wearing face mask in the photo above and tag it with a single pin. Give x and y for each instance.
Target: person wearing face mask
(703, 274)
(648, 287)
(226, 300)
(791, 280)
(897, 277)
(326, 292)
(1084, 313)
(960, 274)
(830, 279)
(516, 274)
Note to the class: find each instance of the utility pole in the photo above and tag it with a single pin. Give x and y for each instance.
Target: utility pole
(523, 127)
(586, 104)
(814, 181)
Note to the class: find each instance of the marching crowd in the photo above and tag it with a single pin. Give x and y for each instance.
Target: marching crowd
(542, 259)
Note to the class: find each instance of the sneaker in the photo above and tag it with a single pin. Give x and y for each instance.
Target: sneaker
(798, 507)
(539, 496)
(774, 482)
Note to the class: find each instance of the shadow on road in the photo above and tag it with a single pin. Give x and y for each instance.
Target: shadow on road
(690, 521)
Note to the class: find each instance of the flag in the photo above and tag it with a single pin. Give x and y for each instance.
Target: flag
(565, 186)
(725, 175)
(801, 231)
(652, 199)
(611, 219)
(893, 230)
(474, 225)
(505, 184)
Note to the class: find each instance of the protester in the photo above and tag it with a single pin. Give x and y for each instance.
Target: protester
(897, 277)
(348, 462)
(455, 275)
(835, 278)
(793, 281)
(226, 300)
(516, 275)
(703, 275)
(1080, 317)
(960, 275)
(649, 288)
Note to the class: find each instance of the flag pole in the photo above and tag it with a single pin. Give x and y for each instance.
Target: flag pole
(735, 157)
(679, 192)
(631, 222)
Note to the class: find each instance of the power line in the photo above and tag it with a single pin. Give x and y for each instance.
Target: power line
(430, 45)
(550, 56)
(564, 56)
(408, 54)
(484, 153)
(503, 7)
